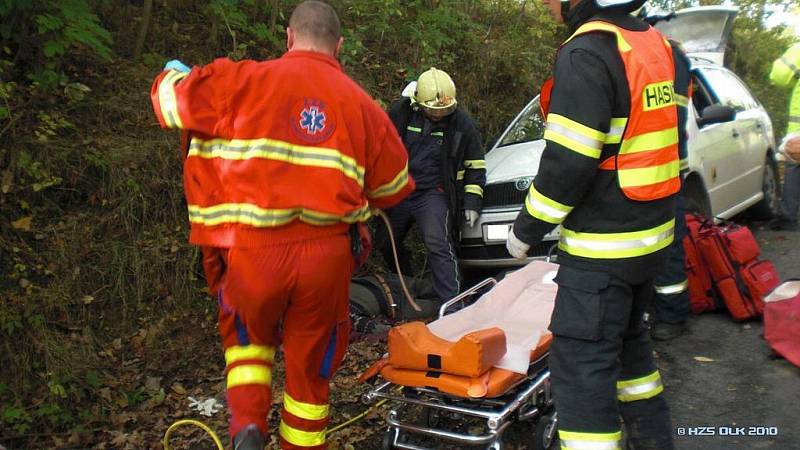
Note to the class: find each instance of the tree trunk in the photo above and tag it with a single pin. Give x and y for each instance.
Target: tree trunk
(143, 27)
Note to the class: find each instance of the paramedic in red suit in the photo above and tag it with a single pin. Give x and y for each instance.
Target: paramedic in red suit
(284, 156)
(608, 175)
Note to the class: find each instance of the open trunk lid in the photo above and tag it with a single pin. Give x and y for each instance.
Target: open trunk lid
(703, 31)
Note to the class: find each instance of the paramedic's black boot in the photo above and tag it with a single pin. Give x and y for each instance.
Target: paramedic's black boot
(249, 438)
(664, 331)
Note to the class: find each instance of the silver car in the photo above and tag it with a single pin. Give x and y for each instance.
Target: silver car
(732, 165)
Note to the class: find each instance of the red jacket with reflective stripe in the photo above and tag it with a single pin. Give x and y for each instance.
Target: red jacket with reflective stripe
(280, 150)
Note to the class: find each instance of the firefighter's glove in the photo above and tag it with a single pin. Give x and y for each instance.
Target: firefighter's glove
(177, 65)
(471, 217)
(515, 247)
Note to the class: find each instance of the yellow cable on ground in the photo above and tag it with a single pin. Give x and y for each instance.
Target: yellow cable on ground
(196, 423)
(354, 419)
(214, 436)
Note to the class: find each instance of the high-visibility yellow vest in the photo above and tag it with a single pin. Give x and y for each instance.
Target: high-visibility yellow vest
(785, 72)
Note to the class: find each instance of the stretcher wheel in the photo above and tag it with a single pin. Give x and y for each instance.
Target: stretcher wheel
(387, 442)
(544, 434)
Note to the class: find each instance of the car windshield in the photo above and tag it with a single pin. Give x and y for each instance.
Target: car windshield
(528, 126)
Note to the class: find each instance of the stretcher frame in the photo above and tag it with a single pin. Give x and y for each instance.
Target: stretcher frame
(529, 401)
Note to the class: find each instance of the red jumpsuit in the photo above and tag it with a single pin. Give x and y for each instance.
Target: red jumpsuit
(284, 155)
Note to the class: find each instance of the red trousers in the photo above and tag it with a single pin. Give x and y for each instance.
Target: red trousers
(294, 294)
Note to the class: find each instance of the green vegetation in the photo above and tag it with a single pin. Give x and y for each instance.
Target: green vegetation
(98, 288)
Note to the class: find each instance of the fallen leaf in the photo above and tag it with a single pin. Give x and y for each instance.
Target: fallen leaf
(153, 383)
(178, 389)
(87, 299)
(23, 224)
(703, 359)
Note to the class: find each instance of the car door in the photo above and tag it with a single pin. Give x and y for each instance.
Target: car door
(746, 130)
(719, 146)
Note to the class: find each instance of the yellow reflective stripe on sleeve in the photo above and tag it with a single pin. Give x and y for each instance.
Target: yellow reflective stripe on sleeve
(588, 27)
(617, 245)
(473, 189)
(650, 141)
(302, 410)
(248, 214)
(249, 374)
(544, 208)
(648, 175)
(414, 129)
(681, 100)
(574, 135)
(168, 101)
(673, 289)
(275, 150)
(475, 163)
(438, 133)
(392, 187)
(640, 388)
(240, 353)
(616, 130)
(571, 440)
(460, 175)
(300, 437)
(684, 164)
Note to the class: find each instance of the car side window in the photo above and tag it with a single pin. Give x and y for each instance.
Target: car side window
(728, 90)
(700, 95)
(528, 127)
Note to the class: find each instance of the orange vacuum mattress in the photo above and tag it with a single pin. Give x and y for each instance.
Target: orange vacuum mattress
(417, 358)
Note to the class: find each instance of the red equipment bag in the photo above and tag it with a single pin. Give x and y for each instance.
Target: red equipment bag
(782, 321)
(702, 297)
(760, 277)
(730, 252)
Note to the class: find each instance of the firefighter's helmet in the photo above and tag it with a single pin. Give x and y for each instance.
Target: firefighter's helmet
(435, 93)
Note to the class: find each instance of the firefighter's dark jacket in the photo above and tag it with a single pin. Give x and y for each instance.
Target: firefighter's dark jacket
(590, 87)
(462, 142)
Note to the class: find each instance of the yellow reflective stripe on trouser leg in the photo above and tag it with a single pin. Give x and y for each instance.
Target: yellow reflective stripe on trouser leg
(249, 374)
(475, 163)
(673, 289)
(572, 440)
(308, 411)
(617, 245)
(239, 353)
(473, 189)
(300, 437)
(640, 388)
(544, 208)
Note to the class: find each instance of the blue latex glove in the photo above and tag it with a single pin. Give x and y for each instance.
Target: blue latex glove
(177, 65)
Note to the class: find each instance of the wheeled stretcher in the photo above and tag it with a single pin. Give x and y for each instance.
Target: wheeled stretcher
(463, 379)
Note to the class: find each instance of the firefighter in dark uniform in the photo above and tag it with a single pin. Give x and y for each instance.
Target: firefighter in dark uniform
(672, 285)
(446, 160)
(608, 176)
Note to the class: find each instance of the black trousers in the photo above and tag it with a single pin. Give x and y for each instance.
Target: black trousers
(602, 365)
(671, 285)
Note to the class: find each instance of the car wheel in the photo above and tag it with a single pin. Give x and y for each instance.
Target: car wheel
(770, 205)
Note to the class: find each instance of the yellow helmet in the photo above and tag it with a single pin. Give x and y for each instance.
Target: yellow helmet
(435, 93)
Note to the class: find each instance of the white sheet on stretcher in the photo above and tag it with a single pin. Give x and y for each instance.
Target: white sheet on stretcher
(521, 305)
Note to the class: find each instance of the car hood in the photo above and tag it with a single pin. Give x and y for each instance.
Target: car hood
(513, 161)
(703, 31)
